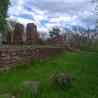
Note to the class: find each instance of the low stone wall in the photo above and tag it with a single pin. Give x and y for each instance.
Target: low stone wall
(12, 57)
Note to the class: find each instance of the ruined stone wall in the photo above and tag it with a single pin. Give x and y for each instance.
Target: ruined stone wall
(12, 57)
(18, 33)
(32, 36)
(57, 41)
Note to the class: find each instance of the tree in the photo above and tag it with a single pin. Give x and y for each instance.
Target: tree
(43, 36)
(9, 30)
(96, 7)
(10, 25)
(54, 32)
(4, 4)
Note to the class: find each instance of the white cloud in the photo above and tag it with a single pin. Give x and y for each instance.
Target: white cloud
(57, 12)
(21, 2)
(24, 11)
(39, 12)
(40, 17)
(15, 10)
(24, 21)
(43, 29)
(63, 18)
(51, 25)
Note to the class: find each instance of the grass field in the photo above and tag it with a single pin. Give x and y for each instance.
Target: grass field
(83, 66)
(25, 46)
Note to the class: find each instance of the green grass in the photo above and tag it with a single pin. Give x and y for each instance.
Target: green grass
(25, 46)
(83, 66)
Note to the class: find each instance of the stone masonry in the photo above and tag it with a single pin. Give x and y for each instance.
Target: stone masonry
(57, 41)
(18, 34)
(13, 57)
(32, 36)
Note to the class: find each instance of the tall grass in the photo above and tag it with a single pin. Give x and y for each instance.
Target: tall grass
(83, 66)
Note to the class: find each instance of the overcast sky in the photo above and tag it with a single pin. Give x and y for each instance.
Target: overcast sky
(48, 13)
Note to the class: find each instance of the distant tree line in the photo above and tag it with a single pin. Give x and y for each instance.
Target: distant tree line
(78, 38)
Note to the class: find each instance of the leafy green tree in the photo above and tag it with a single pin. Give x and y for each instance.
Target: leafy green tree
(9, 30)
(4, 4)
(10, 25)
(54, 32)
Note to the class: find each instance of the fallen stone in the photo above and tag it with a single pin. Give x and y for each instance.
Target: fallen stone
(61, 78)
(33, 85)
(7, 95)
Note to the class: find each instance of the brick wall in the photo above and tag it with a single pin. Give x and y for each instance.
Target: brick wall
(13, 57)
